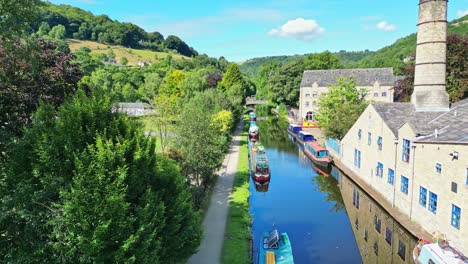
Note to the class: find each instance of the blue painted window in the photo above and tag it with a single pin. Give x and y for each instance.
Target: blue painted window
(357, 158)
(379, 169)
(438, 168)
(401, 250)
(404, 184)
(456, 212)
(422, 196)
(369, 138)
(433, 202)
(379, 143)
(406, 150)
(388, 235)
(391, 176)
(359, 134)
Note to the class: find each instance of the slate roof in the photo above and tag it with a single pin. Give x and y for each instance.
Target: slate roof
(135, 105)
(363, 77)
(452, 126)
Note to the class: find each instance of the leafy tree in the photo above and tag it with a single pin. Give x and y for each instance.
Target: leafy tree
(31, 72)
(265, 72)
(124, 61)
(232, 77)
(168, 110)
(111, 54)
(57, 32)
(16, 16)
(43, 30)
(88, 63)
(85, 185)
(340, 107)
(223, 121)
(175, 43)
(173, 82)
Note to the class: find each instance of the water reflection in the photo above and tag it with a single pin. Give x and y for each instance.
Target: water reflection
(261, 186)
(379, 237)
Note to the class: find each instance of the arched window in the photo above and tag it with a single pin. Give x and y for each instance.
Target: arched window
(309, 116)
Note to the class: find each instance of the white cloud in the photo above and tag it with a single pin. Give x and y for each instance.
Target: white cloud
(462, 13)
(385, 26)
(299, 28)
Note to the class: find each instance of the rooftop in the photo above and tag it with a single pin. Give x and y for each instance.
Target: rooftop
(363, 77)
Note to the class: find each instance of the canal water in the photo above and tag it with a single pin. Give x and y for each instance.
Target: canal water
(319, 211)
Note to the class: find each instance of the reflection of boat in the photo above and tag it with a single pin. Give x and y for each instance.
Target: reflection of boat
(262, 186)
(275, 248)
(253, 133)
(318, 154)
(437, 253)
(258, 162)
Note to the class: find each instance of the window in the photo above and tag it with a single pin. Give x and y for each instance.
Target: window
(377, 223)
(307, 104)
(359, 134)
(456, 212)
(432, 202)
(454, 187)
(379, 143)
(422, 196)
(314, 93)
(406, 150)
(356, 224)
(379, 169)
(357, 158)
(401, 250)
(384, 94)
(388, 235)
(356, 198)
(369, 138)
(404, 184)
(391, 176)
(366, 235)
(376, 94)
(439, 168)
(307, 95)
(376, 248)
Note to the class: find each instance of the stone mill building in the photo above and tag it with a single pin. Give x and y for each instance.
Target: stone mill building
(416, 154)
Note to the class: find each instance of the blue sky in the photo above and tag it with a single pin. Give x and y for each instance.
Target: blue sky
(243, 29)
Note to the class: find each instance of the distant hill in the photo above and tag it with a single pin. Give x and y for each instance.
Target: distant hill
(84, 25)
(133, 55)
(390, 56)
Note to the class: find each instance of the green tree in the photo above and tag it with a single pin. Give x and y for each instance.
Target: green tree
(124, 61)
(43, 30)
(16, 16)
(172, 83)
(232, 77)
(340, 107)
(57, 32)
(111, 54)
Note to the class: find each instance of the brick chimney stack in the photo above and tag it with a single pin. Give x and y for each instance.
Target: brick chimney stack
(431, 55)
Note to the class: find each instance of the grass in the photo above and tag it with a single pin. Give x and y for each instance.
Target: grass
(236, 247)
(133, 55)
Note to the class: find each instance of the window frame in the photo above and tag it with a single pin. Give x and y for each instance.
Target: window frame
(401, 250)
(379, 170)
(391, 176)
(421, 200)
(404, 184)
(432, 202)
(456, 216)
(388, 235)
(369, 138)
(438, 168)
(379, 143)
(406, 150)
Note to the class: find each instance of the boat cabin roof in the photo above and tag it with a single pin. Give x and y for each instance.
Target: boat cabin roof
(316, 146)
(294, 125)
(438, 255)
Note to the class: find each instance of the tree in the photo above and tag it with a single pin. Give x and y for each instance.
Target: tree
(90, 188)
(124, 61)
(16, 16)
(57, 32)
(172, 83)
(232, 77)
(88, 62)
(111, 54)
(457, 72)
(175, 43)
(340, 107)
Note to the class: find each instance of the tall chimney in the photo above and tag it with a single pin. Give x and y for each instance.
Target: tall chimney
(431, 55)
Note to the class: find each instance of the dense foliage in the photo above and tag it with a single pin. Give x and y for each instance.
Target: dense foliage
(84, 185)
(340, 107)
(83, 25)
(457, 72)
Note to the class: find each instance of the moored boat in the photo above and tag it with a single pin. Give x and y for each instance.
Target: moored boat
(275, 248)
(294, 129)
(437, 253)
(253, 116)
(253, 133)
(304, 136)
(317, 153)
(258, 162)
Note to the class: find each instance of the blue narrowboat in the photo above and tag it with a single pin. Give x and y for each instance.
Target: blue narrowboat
(304, 136)
(294, 129)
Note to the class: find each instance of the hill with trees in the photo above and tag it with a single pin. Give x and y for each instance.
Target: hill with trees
(83, 25)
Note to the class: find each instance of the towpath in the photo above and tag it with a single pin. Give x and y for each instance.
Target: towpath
(214, 223)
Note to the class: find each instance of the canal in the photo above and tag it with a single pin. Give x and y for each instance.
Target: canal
(327, 217)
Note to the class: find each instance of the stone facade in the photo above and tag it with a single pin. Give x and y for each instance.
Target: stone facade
(379, 84)
(429, 77)
(421, 151)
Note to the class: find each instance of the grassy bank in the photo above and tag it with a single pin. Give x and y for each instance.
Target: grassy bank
(237, 237)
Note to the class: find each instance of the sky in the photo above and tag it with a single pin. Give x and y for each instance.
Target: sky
(245, 29)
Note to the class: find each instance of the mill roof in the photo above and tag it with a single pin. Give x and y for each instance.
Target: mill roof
(363, 77)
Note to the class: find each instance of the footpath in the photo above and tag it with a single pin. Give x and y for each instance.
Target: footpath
(214, 223)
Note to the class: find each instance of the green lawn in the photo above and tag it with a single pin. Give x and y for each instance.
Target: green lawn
(237, 237)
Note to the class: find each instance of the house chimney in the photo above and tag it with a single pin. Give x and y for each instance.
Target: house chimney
(431, 55)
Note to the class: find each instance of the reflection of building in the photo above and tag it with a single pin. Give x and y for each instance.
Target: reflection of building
(379, 84)
(379, 237)
(416, 154)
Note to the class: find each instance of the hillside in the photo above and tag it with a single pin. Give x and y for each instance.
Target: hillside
(390, 56)
(133, 55)
(83, 25)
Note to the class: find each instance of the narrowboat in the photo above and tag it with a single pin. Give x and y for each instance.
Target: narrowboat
(253, 116)
(262, 186)
(294, 129)
(304, 136)
(317, 153)
(275, 248)
(258, 161)
(438, 253)
(253, 133)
